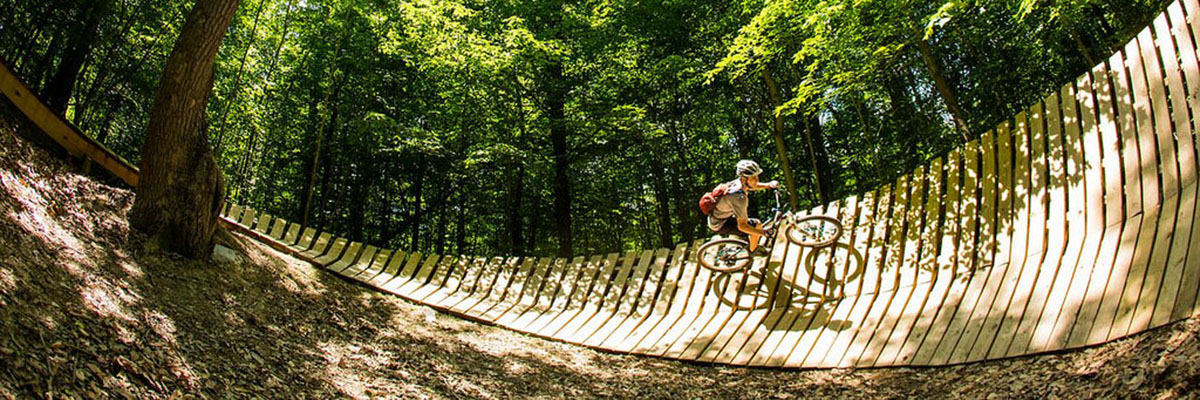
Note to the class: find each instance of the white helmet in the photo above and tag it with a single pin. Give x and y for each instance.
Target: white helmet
(747, 168)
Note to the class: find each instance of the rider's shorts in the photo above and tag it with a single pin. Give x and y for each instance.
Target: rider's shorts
(730, 227)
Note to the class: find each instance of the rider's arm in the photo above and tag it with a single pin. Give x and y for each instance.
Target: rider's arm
(765, 185)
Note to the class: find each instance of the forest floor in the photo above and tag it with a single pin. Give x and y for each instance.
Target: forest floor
(87, 312)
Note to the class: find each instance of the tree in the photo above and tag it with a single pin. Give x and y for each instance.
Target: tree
(179, 193)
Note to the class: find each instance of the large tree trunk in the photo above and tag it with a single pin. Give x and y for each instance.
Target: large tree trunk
(516, 226)
(179, 192)
(663, 198)
(945, 89)
(780, 146)
(555, 100)
(819, 156)
(58, 90)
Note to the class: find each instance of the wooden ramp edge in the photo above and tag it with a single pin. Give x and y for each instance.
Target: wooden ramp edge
(1070, 225)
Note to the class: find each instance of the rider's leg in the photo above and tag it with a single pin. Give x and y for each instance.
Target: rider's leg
(754, 237)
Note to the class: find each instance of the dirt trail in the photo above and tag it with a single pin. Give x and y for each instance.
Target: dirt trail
(84, 312)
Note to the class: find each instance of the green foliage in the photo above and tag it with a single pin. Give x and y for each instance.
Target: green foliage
(425, 124)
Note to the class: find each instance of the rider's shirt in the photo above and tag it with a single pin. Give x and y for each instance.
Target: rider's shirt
(732, 205)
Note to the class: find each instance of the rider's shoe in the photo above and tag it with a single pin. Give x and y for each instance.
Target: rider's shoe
(761, 251)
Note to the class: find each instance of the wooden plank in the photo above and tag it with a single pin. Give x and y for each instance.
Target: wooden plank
(959, 236)
(892, 259)
(791, 293)
(531, 293)
(679, 308)
(517, 291)
(1177, 64)
(671, 288)
(387, 271)
(498, 271)
(615, 298)
(292, 236)
(669, 344)
(510, 268)
(926, 259)
(628, 303)
(474, 268)
(247, 218)
(1152, 283)
(804, 331)
(333, 253)
(376, 267)
(1152, 191)
(1002, 271)
(570, 296)
(319, 245)
(943, 252)
(264, 221)
(845, 268)
(874, 238)
(982, 250)
(278, 229)
(925, 180)
(401, 277)
(431, 294)
(61, 131)
(306, 240)
(561, 274)
(647, 296)
(585, 297)
(360, 263)
(1027, 249)
(1190, 278)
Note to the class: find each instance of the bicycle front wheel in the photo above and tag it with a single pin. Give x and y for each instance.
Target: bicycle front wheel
(814, 231)
(725, 255)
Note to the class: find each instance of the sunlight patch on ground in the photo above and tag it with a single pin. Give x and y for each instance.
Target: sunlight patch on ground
(8, 282)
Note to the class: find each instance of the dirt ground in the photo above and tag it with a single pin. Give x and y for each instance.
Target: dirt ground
(85, 312)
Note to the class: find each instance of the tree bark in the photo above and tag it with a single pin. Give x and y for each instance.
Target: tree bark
(555, 100)
(58, 90)
(663, 198)
(516, 228)
(945, 89)
(179, 193)
(780, 146)
(820, 157)
(416, 213)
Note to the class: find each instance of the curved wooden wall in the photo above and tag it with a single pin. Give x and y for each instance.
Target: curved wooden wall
(1069, 225)
(1072, 224)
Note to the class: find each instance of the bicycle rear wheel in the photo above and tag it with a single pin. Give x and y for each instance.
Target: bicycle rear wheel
(814, 231)
(725, 255)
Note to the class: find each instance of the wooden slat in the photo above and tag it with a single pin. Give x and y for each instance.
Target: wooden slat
(306, 240)
(962, 262)
(1151, 192)
(1132, 197)
(982, 250)
(642, 305)
(517, 291)
(873, 235)
(892, 258)
(974, 337)
(568, 303)
(906, 335)
(560, 274)
(907, 267)
(531, 293)
(679, 310)
(944, 261)
(293, 235)
(247, 218)
(401, 277)
(1175, 62)
(333, 253)
(1189, 282)
(376, 266)
(387, 271)
(804, 331)
(278, 229)
(505, 279)
(670, 289)
(584, 300)
(319, 245)
(636, 282)
(1152, 283)
(264, 221)
(363, 261)
(1047, 235)
(608, 301)
(844, 266)
(791, 285)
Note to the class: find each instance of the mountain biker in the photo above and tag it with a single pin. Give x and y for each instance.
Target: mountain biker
(730, 215)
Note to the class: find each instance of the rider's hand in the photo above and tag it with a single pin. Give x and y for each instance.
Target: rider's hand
(773, 184)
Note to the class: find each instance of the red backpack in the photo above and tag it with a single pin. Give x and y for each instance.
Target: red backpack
(708, 202)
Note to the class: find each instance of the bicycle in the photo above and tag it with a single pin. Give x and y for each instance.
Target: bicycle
(733, 254)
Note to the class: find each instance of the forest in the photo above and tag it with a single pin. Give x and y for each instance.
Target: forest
(561, 126)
